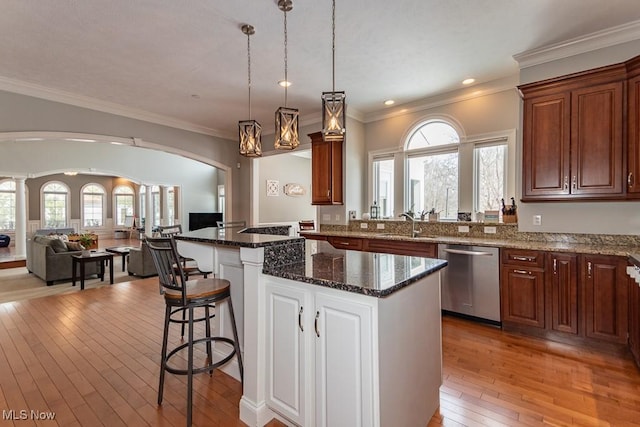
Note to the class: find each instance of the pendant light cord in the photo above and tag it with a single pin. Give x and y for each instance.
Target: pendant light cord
(286, 80)
(333, 45)
(249, 69)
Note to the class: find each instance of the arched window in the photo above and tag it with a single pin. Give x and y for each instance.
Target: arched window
(432, 169)
(93, 206)
(55, 205)
(7, 205)
(123, 203)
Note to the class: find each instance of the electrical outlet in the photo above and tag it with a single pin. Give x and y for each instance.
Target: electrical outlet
(463, 229)
(337, 217)
(490, 230)
(380, 226)
(537, 220)
(364, 225)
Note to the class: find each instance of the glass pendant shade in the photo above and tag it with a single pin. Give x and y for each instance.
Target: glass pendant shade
(287, 137)
(250, 133)
(333, 116)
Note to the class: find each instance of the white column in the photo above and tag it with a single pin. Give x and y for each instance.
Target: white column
(21, 219)
(164, 211)
(148, 203)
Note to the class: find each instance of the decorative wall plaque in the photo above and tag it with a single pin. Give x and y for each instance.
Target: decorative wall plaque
(293, 189)
(273, 187)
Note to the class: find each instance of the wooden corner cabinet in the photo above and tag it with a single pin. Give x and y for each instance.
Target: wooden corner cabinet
(633, 127)
(326, 171)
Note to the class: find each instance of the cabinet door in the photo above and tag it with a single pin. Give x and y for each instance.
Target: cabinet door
(605, 297)
(326, 171)
(633, 118)
(546, 146)
(522, 296)
(344, 363)
(596, 139)
(562, 278)
(287, 309)
(634, 319)
(320, 172)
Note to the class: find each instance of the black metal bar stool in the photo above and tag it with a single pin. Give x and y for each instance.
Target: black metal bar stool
(185, 295)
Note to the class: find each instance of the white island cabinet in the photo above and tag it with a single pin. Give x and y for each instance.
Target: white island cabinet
(338, 358)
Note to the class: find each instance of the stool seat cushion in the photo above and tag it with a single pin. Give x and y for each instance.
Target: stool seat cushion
(199, 289)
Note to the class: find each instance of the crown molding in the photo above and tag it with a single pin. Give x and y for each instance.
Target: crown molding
(42, 92)
(476, 91)
(587, 43)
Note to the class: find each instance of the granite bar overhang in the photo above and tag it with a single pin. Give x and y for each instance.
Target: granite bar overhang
(365, 273)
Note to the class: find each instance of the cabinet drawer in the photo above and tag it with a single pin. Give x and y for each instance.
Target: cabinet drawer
(523, 257)
(346, 243)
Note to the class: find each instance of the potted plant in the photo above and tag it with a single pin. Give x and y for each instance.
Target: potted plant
(86, 240)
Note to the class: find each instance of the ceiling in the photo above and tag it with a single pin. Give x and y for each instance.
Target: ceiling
(185, 62)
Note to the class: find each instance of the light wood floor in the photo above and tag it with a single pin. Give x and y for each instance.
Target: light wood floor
(92, 358)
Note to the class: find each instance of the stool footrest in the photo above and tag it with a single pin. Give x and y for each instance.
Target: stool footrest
(210, 366)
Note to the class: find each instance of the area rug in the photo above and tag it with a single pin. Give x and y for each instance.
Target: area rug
(18, 284)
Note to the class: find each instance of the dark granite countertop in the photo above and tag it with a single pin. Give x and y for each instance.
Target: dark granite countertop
(233, 237)
(558, 246)
(634, 259)
(373, 274)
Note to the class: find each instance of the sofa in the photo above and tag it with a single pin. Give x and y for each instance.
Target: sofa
(141, 262)
(49, 258)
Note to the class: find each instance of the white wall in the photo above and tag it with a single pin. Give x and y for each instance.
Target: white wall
(284, 168)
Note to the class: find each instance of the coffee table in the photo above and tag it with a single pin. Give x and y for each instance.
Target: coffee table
(100, 257)
(120, 250)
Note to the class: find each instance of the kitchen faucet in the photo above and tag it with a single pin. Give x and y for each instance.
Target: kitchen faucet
(414, 232)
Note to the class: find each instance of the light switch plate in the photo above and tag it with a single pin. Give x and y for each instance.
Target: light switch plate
(490, 230)
(364, 225)
(326, 217)
(380, 226)
(463, 229)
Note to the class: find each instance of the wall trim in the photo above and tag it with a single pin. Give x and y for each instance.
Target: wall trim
(587, 43)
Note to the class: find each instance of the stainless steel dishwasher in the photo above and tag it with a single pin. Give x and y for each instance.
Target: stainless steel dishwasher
(471, 281)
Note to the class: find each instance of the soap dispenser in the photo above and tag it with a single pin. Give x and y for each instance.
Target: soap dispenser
(375, 211)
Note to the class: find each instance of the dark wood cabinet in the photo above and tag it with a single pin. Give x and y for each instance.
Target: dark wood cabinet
(562, 292)
(522, 290)
(522, 296)
(352, 243)
(633, 128)
(634, 319)
(400, 247)
(605, 301)
(326, 171)
(573, 136)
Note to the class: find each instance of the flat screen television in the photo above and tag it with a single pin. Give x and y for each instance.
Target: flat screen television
(198, 220)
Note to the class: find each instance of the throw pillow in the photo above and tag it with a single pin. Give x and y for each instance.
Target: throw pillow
(74, 246)
(58, 246)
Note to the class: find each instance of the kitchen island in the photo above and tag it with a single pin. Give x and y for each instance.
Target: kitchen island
(330, 337)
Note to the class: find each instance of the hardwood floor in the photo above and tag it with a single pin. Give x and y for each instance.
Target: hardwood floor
(92, 358)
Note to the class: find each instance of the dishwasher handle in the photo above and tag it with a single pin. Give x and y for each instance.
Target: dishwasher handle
(463, 252)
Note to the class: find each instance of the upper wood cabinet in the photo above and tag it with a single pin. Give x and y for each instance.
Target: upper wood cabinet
(326, 171)
(573, 136)
(633, 127)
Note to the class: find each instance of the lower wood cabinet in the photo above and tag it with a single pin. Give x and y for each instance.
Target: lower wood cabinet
(634, 319)
(562, 292)
(389, 246)
(577, 295)
(522, 296)
(605, 301)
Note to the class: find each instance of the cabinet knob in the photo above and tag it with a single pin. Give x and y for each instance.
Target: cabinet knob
(589, 268)
(555, 266)
(630, 179)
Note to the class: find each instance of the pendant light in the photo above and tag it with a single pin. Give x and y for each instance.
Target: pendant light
(333, 103)
(250, 131)
(286, 118)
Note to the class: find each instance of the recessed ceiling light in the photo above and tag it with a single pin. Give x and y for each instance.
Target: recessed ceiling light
(389, 102)
(284, 83)
(468, 81)
(71, 173)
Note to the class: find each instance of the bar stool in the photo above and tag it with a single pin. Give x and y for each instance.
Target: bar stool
(185, 295)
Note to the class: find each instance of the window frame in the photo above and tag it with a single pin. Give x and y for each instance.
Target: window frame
(115, 195)
(375, 183)
(67, 194)
(491, 142)
(103, 212)
(13, 205)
